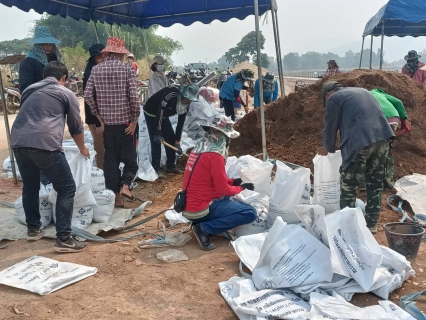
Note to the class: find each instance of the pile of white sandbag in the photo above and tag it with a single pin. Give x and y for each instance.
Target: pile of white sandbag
(315, 269)
(92, 202)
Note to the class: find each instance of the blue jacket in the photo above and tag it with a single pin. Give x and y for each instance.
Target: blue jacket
(357, 115)
(231, 88)
(274, 93)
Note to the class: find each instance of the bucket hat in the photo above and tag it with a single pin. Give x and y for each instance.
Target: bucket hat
(158, 60)
(247, 74)
(333, 61)
(269, 77)
(115, 45)
(224, 125)
(412, 54)
(131, 55)
(189, 91)
(96, 49)
(329, 86)
(42, 35)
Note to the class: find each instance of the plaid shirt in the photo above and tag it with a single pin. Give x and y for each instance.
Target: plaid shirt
(111, 92)
(332, 71)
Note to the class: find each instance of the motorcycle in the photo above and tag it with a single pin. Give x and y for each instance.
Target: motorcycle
(172, 76)
(75, 84)
(142, 87)
(12, 95)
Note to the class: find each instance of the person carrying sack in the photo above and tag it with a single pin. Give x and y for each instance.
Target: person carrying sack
(208, 188)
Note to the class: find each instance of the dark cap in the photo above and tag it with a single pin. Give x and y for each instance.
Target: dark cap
(96, 49)
(329, 86)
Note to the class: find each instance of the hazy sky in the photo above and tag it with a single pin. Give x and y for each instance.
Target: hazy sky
(305, 25)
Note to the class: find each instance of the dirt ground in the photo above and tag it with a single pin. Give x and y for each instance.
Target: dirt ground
(135, 285)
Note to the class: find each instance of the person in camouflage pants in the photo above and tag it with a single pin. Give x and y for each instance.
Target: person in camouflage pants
(371, 163)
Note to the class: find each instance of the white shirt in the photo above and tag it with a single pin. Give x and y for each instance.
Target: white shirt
(157, 81)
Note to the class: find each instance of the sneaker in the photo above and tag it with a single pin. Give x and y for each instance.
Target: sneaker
(34, 234)
(203, 238)
(174, 170)
(70, 245)
(160, 174)
(373, 230)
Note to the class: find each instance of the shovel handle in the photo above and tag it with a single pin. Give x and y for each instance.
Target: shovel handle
(173, 148)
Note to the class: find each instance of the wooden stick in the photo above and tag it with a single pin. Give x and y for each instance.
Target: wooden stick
(172, 147)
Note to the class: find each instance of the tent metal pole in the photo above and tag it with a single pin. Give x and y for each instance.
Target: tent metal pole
(362, 50)
(259, 70)
(96, 30)
(381, 47)
(277, 49)
(6, 124)
(280, 62)
(371, 52)
(146, 48)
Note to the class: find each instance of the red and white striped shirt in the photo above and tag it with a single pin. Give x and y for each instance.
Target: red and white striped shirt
(111, 92)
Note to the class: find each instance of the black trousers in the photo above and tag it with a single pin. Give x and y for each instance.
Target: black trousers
(119, 147)
(168, 136)
(228, 105)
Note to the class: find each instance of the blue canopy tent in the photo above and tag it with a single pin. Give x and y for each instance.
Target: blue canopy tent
(396, 18)
(144, 13)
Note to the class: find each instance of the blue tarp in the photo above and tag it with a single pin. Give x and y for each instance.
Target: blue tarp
(144, 13)
(401, 18)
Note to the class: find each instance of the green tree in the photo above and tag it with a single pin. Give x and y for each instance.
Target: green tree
(245, 50)
(75, 57)
(264, 60)
(71, 32)
(291, 61)
(15, 46)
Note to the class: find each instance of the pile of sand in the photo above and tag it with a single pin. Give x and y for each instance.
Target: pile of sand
(294, 123)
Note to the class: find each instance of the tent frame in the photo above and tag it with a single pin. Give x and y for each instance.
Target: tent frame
(272, 6)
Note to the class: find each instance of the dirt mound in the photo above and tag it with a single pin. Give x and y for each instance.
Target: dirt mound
(294, 123)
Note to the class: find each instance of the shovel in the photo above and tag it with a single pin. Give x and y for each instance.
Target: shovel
(173, 148)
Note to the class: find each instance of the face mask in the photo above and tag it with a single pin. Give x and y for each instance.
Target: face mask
(160, 67)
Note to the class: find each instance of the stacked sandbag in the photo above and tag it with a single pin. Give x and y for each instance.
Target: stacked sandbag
(45, 208)
(102, 210)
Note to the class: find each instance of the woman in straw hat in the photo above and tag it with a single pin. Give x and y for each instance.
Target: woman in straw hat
(158, 80)
(44, 51)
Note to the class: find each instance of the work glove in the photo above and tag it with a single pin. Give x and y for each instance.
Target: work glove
(158, 138)
(237, 182)
(179, 149)
(404, 128)
(249, 186)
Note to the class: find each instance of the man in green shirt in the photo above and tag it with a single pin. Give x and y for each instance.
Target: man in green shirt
(396, 115)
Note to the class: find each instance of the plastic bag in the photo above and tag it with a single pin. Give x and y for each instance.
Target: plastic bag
(259, 225)
(258, 173)
(327, 181)
(248, 248)
(81, 170)
(290, 257)
(355, 253)
(44, 206)
(97, 180)
(289, 189)
(102, 210)
(174, 217)
(171, 255)
(312, 217)
(43, 276)
(81, 217)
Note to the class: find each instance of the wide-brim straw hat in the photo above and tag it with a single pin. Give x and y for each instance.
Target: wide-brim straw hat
(115, 45)
(223, 124)
(42, 35)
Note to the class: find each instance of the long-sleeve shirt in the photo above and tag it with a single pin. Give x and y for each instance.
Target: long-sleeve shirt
(208, 182)
(391, 106)
(163, 104)
(40, 122)
(157, 81)
(111, 92)
(30, 72)
(332, 71)
(90, 118)
(357, 115)
(273, 94)
(231, 88)
(419, 75)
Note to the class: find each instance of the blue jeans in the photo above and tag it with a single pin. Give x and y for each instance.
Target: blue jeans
(54, 166)
(225, 214)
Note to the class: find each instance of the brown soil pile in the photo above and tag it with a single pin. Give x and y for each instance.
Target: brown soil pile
(294, 123)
